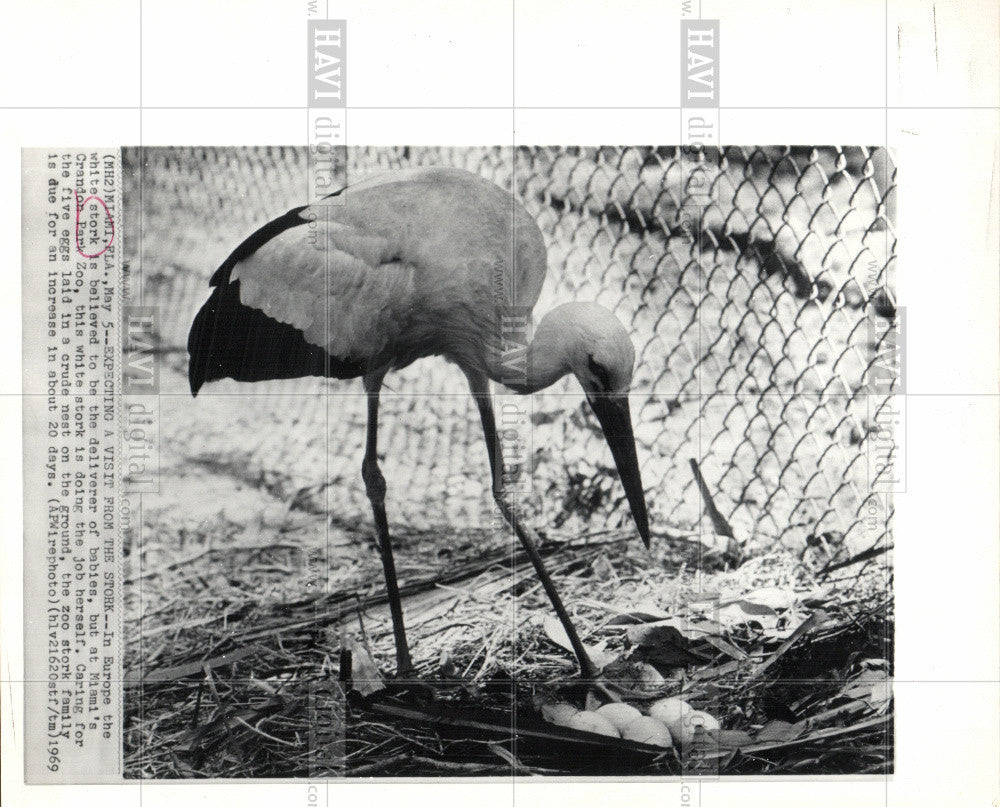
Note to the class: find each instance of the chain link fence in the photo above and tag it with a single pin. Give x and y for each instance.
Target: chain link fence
(759, 300)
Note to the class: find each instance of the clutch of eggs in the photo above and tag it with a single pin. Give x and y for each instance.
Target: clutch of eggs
(671, 721)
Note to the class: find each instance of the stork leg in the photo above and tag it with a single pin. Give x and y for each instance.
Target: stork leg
(375, 487)
(479, 386)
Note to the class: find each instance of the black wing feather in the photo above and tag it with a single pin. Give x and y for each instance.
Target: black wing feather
(232, 340)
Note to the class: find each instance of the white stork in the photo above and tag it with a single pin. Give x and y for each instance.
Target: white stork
(413, 263)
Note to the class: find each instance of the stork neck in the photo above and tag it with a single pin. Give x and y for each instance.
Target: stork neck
(542, 362)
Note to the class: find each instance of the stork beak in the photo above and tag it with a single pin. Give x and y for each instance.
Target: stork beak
(616, 421)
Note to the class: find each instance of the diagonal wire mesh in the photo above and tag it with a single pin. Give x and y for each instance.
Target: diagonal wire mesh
(760, 300)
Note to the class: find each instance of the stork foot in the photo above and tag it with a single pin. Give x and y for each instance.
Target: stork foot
(407, 686)
(405, 671)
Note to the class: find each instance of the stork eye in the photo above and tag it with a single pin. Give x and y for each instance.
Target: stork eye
(600, 372)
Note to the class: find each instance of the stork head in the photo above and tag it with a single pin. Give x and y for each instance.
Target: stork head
(597, 349)
(601, 355)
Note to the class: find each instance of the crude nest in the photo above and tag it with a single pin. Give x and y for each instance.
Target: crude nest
(795, 663)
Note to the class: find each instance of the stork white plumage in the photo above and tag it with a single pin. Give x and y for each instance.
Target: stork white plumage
(414, 263)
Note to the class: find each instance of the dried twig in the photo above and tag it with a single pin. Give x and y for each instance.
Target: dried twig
(733, 553)
(868, 554)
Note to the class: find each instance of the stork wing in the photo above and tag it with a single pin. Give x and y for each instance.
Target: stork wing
(342, 287)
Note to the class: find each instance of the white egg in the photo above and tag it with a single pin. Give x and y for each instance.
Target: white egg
(559, 713)
(592, 722)
(648, 730)
(691, 725)
(705, 720)
(670, 712)
(618, 715)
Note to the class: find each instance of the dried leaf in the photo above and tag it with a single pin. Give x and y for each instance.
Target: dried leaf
(725, 647)
(647, 633)
(817, 619)
(365, 675)
(791, 622)
(873, 687)
(602, 568)
(775, 597)
(741, 612)
(731, 739)
(881, 696)
(779, 731)
(446, 667)
(813, 736)
(664, 644)
(639, 614)
(636, 678)
(817, 597)
(557, 634)
(720, 672)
